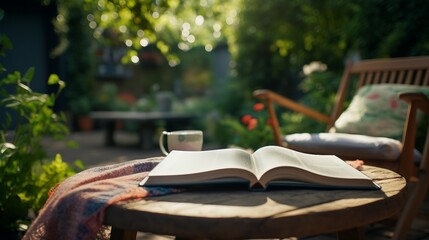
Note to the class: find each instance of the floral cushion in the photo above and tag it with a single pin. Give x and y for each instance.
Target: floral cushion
(376, 110)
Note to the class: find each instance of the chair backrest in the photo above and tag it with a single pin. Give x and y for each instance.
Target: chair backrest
(405, 71)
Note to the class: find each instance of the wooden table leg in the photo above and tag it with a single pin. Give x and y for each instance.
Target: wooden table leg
(146, 134)
(109, 139)
(120, 234)
(351, 234)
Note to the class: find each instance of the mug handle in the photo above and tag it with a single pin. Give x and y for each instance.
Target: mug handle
(161, 143)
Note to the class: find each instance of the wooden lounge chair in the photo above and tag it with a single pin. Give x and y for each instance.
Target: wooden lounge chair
(400, 74)
(403, 72)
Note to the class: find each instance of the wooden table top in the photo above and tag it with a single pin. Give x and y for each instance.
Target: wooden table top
(242, 214)
(140, 116)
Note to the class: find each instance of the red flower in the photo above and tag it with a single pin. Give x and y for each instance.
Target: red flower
(270, 122)
(252, 123)
(245, 119)
(258, 107)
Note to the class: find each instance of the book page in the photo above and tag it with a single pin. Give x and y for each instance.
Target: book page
(271, 157)
(191, 166)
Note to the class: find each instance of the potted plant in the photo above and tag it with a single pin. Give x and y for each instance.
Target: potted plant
(81, 107)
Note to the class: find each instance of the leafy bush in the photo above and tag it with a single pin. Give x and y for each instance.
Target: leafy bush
(251, 131)
(319, 90)
(26, 175)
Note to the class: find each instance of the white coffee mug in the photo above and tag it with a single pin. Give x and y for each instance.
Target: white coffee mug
(185, 140)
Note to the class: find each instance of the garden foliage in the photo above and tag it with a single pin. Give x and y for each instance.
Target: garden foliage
(27, 174)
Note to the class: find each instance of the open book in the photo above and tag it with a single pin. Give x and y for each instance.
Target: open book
(268, 166)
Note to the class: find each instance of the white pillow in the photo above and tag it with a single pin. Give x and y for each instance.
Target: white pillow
(348, 146)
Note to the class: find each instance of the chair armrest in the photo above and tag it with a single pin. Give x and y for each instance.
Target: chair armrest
(418, 99)
(271, 96)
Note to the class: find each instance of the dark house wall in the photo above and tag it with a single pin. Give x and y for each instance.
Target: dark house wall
(29, 27)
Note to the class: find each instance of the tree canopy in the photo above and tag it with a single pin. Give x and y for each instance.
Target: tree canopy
(293, 31)
(171, 25)
(269, 41)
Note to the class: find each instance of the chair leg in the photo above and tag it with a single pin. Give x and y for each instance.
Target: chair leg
(412, 206)
(119, 234)
(351, 234)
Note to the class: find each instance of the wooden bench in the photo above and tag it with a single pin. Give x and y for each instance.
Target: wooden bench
(147, 123)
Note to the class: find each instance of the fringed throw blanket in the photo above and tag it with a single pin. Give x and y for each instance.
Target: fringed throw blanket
(75, 208)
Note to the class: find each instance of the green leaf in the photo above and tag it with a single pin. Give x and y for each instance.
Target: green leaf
(6, 42)
(5, 146)
(12, 78)
(53, 79)
(79, 164)
(62, 85)
(72, 144)
(6, 151)
(24, 87)
(28, 76)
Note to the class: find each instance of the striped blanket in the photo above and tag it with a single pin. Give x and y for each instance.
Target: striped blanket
(75, 208)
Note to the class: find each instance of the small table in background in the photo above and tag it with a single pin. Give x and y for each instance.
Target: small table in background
(241, 214)
(147, 123)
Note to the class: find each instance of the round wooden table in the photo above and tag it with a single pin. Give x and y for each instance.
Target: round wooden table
(241, 214)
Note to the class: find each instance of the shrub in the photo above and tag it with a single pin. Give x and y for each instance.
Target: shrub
(26, 175)
(251, 131)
